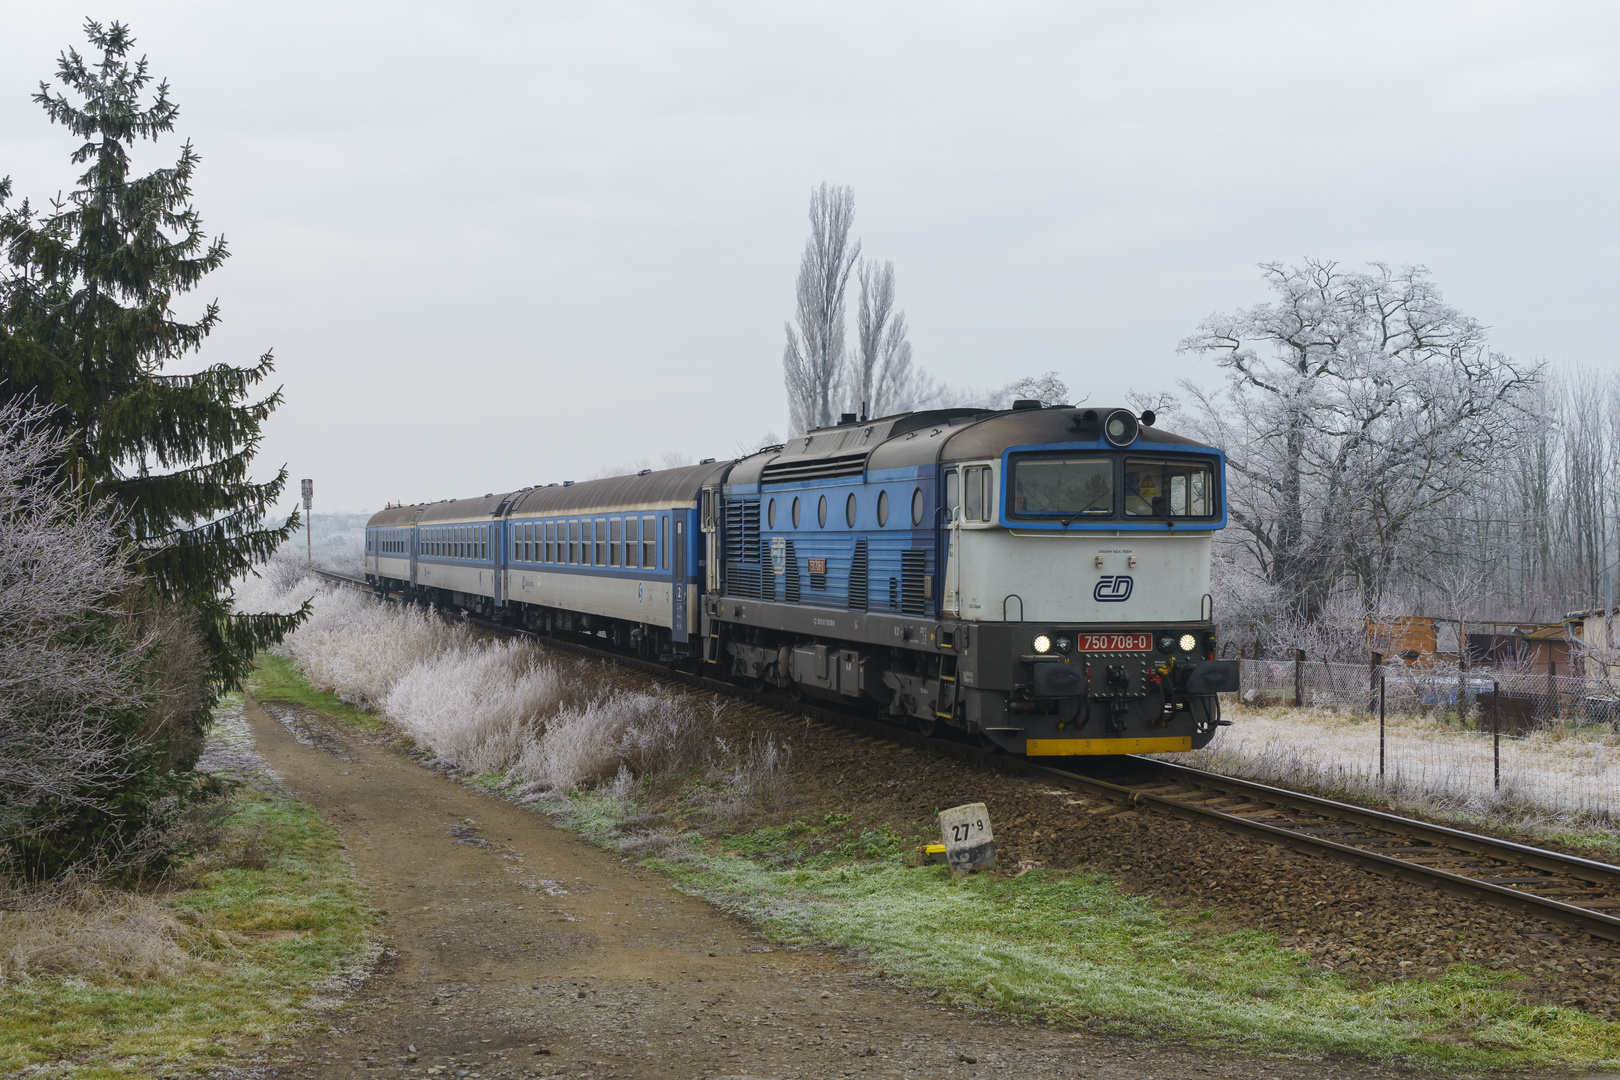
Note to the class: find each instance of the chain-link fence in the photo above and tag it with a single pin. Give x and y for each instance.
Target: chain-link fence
(1513, 746)
(1515, 701)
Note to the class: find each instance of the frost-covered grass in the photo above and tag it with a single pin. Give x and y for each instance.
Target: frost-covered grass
(1561, 780)
(265, 924)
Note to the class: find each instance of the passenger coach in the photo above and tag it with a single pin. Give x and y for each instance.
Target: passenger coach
(1038, 577)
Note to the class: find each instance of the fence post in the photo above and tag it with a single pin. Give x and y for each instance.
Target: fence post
(1375, 661)
(1496, 737)
(1380, 727)
(1299, 678)
(1462, 682)
(1552, 688)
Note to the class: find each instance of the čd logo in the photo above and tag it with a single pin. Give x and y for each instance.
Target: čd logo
(1112, 589)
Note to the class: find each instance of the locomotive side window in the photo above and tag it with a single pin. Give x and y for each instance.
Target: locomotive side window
(883, 508)
(973, 501)
(916, 506)
(821, 512)
(953, 495)
(1072, 487)
(795, 511)
(770, 515)
(1169, 489)
(849, 510)
(615, 541)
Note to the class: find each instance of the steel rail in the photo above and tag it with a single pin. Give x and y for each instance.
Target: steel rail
(1381, 826)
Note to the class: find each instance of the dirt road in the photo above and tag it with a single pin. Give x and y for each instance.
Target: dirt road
(517, 950)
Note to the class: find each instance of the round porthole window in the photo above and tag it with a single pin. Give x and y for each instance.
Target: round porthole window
(821, 512)
(795, 511)
(883, 508)
(770, 514)
(916, 506)
(849, 510)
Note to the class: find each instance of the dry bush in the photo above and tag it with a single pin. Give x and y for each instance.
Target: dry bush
(480, 706)
(640, 733)
(91, 932)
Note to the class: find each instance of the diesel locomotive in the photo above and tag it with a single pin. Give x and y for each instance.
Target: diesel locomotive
(1037, 578)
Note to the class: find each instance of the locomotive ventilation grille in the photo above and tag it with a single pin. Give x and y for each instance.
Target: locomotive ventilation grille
(833, 468)
(913, 564)
(745, 574)
(857, 577)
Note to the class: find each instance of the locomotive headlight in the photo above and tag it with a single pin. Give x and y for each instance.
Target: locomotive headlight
(1043, 644)
(1120, 428)
(1188, 643)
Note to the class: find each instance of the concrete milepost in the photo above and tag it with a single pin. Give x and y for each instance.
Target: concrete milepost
(970, 843)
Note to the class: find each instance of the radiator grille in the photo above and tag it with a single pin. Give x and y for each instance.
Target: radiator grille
(857, 577)
(913, 565)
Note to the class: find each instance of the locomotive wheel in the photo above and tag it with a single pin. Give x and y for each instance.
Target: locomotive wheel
(927, 726)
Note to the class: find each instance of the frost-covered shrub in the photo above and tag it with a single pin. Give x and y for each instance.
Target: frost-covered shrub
(481, 705)
(549, 723)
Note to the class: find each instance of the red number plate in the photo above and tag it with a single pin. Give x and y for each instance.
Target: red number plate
(1114, 642)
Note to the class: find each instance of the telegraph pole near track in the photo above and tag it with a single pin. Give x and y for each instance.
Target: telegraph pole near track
(309, 544)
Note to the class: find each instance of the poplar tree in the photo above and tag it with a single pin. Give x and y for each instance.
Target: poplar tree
(88, 324)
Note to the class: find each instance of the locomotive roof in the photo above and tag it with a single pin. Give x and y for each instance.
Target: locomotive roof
(908, 440)
(1022, 427)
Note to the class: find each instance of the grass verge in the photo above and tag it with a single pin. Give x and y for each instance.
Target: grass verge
(1063, 947)
(274, 924)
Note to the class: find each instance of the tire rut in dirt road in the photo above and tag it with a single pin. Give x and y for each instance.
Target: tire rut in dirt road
(518, 950)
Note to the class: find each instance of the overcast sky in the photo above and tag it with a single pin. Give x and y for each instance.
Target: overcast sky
(496, 245)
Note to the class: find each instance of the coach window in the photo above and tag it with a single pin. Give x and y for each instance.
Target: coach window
(770, 514)
(821, 512)
(663, 536)
(615, 542)
(849, 510)
(632, 542)
(795, 511)
(601, 541)
(573, 541)
(527, 544)
(883, 508)
(649, 543)
(544, 541)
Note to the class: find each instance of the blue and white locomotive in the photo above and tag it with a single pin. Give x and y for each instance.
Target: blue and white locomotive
(1035, 577)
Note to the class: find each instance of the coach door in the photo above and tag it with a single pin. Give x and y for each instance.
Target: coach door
(497, 556)
(677, 614)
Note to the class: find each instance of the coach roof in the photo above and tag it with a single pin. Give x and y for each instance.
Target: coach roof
(666, 487)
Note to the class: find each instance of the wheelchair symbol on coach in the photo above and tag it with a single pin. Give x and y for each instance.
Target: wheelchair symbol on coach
(1112, 589)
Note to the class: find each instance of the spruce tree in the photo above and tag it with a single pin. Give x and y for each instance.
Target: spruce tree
(87, 323)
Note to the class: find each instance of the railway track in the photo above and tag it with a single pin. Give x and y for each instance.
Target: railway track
(1580, 893)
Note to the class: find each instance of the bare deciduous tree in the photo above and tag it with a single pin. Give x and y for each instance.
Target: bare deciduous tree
(813, 360)
(885, 380)
(67, 682)
(1356, 405)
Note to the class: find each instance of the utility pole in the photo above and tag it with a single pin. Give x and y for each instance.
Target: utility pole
(309, 545)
